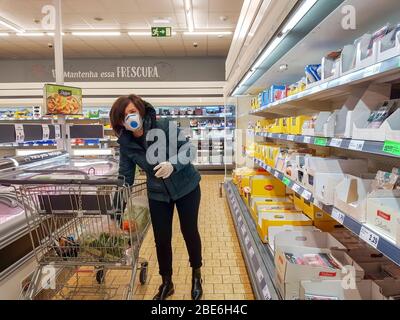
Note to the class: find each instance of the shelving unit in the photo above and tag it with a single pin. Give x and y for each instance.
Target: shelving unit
(365, 146)
(373, 238)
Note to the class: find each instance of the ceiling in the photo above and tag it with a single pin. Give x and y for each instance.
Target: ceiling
(121, 15)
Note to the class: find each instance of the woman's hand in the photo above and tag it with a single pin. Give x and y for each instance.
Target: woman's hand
(164, 170)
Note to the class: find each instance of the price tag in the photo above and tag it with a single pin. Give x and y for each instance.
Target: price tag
(266, 294)
(46, 132)
(286, 181)
(251, 252)
(369, 237)
(281, 136)
(240, 219)
(296, 188)
(260, 276)
(356, 145)
(269, 168)
(306, 194)
(392, 147)
(338, 215)
(19, 133)
(243, 229)
(336, 143)
(321, 141)
(290, 137)
(57, 130)
(276, 174)
(307, 139)
(269, 135)
(246, 240)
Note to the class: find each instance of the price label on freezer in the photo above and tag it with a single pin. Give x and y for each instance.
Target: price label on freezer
(276, 174)
(338, 215)
(240, 219)
(286, 181)
(46, 131)
(356, 145)
(57, 130)
(251, 252)
(268, 168)
(266, 294)
(335, 143)
(269, 135)
(306, 194)
(370, 237)
(243, 229)
(307, 139)
(321, 141)
(260, 276)
(19, 133)
(247, 240)
(290, 137)
(296, 188)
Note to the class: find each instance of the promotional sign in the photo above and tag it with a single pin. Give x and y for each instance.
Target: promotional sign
(62, 99)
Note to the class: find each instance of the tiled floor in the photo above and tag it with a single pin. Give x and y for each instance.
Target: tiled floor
(224, 272)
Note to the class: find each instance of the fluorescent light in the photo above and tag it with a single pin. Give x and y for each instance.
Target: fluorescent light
(140, 33)
(4, 34)
(10, 25)
(247, 77)
(267, 52)
(51, 34)
(189, 15)
(300, 13)
(30, 34)
(96, 33)
(207, 33)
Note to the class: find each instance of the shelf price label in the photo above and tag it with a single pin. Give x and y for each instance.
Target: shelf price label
(336, 143)
(357, 145)
(321, 141)
(268, 168)
(307, 139)
(251, 252)
(290, 137)
(19, 133)
(306, 194)
(276, 174)
(260, 276)
(338, 215)
(286, 181)
(46, 131)
(247, 240)
(57, 130)
(243, 228)
(370, 237)
(296, 188)
(266, 294)
(392, 147)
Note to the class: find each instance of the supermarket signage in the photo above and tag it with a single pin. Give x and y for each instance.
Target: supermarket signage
(62, 99)
(161, 32)
(392, 147)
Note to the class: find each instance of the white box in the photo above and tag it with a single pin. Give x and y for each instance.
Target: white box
(282, 217)
(310, 239)
(347, 59)
(274, 231)
(325, 127)
(324, 186)
(254, 200)
(391, 126)
(321, 120)
(383, 212)
(350, 196)
(387, 49)
(330, 69)
(363, 62)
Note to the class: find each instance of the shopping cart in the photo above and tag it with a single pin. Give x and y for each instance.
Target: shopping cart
(86, 232)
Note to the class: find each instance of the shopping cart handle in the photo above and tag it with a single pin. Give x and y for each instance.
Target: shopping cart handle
(59, 171)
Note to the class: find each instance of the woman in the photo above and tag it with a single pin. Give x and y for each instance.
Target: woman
(169, 183)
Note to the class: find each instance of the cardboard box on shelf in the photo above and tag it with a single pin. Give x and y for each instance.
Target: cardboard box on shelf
(274, 231)
(376, 270)
(311, 239)
(267, 219)
(298, 201)
(383, 212)
(327, 226)
(290, 274)
(266, 186)
(296, 124)
(253, 201)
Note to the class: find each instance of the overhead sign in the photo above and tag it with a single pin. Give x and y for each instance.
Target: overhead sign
(161, 32)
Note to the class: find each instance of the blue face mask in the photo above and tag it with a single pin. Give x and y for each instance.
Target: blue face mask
(133, 122)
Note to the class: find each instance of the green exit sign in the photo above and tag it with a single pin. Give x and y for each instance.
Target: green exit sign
(160, 32)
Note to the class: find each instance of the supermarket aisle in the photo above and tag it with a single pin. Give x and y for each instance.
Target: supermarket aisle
(224, 271)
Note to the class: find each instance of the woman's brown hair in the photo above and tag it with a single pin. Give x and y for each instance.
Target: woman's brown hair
(117, 112)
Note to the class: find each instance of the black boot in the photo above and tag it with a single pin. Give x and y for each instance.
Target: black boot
(197, 290)
(166, 289)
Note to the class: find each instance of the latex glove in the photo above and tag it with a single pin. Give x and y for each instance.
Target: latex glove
(164, 170)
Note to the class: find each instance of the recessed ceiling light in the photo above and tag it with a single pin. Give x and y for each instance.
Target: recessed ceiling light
(98, 18)
(96, 33)
(207, 33)
(30, 34)
(223, 18)
(37, 21)
(4, 34)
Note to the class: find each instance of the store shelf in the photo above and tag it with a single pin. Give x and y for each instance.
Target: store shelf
(337, 87)
(365, 146)
(379, 242)
(258, 257)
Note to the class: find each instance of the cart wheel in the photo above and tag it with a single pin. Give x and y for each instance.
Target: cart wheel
(100, 276)
(143, 273)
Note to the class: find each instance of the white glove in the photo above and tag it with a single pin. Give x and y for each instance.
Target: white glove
(164, 170)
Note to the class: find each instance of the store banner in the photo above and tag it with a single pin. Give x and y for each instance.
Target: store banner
(135, 69)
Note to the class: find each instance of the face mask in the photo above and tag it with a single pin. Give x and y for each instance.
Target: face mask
(133, 122)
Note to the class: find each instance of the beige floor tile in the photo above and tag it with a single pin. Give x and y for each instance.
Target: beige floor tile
(235, 296)
(208, 288)
(213, 279)
(214, 296)
(242, 288)
(223, 288)
(221, 270)
(231, 279)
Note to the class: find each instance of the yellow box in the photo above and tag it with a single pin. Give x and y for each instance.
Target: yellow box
(296, 124)
(327, 226)
(284, 124)
(298, 201)
(265, 200)
(272, 154)
(322, 216)
(309, 209)
(267, 220)
(266, 186)
(269, 206)
(276, 127)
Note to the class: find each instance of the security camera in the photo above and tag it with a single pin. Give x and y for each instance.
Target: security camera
(50, 45)
(195, 44)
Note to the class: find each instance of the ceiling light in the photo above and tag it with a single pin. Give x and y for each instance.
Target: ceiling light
(162, 21)
(98, 19)
(10, 25)
(51, 34)
(300, 13)
(4, 34)
(189, 15)
(207, 33)
(139, 33)
(30, 34)
(96, 33)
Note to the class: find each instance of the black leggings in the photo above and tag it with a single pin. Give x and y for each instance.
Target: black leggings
(161, 218)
